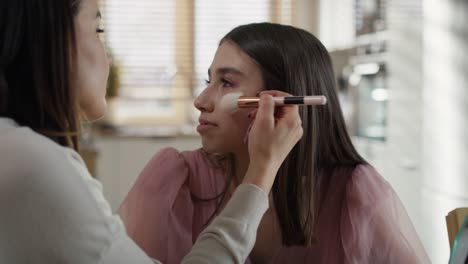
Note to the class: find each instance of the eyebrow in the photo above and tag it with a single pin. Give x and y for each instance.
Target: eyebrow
(226, 70)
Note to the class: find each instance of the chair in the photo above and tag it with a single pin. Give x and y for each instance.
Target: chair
(457, 227)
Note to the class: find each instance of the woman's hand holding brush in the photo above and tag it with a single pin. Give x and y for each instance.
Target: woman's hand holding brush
(271, 138)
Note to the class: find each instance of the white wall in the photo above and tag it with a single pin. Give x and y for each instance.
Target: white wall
(445, 124)
(403, 165)
(308, 15)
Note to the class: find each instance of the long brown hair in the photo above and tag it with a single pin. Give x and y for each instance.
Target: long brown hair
(37, 55)
(294, 61)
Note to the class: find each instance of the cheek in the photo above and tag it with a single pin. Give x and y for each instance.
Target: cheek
(230, 136)
(93, 71)
(241, 119)
(96, 62)
(239, 125)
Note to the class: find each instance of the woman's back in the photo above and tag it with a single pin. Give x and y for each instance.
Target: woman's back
(45, 193)
(360, 220)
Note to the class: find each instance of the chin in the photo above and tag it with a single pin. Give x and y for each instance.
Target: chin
(97, 112)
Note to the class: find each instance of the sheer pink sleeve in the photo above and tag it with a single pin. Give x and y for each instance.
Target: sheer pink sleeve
(375, 226)
(158, 210)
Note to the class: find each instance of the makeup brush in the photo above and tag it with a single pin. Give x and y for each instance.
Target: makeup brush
(231, 102)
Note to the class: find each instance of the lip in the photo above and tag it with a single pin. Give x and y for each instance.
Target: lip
(205, 125)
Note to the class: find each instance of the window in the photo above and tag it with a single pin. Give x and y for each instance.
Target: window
(163, 49)
(337, 29)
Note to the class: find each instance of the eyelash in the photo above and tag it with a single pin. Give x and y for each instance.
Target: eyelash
(229, 84)
(226, 83)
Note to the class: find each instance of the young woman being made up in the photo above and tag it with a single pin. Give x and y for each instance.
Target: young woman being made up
(328, 205)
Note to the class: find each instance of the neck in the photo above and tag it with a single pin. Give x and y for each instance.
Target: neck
(242, 162)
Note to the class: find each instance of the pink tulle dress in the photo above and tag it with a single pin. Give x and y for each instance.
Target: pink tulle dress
(361, 219)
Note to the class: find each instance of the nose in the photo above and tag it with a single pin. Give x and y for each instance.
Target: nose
(204, 102)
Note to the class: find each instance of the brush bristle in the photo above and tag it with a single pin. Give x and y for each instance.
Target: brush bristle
(229, 102)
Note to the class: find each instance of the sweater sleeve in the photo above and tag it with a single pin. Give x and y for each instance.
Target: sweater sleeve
(231, 236)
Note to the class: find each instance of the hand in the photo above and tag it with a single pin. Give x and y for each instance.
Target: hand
(274, 132)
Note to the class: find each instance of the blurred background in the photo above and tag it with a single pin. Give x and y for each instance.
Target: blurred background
(401, 68)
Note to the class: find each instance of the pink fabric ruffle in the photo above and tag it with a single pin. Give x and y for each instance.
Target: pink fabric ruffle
(361, 219)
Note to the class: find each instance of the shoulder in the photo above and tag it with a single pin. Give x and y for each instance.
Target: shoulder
(45, 174)
(366, 187)
(189, 156)
(364, 173)
(170, 168)
(45, 184)
(33, 162)
(166, 169)
(171, 158)
(26, 152)
(166, 158)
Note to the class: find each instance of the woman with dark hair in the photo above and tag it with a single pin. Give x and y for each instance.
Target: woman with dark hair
(53, 74)
(328, 205)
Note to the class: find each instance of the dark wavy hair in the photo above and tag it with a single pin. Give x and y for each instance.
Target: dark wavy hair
(294, 61)
(37, 54)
